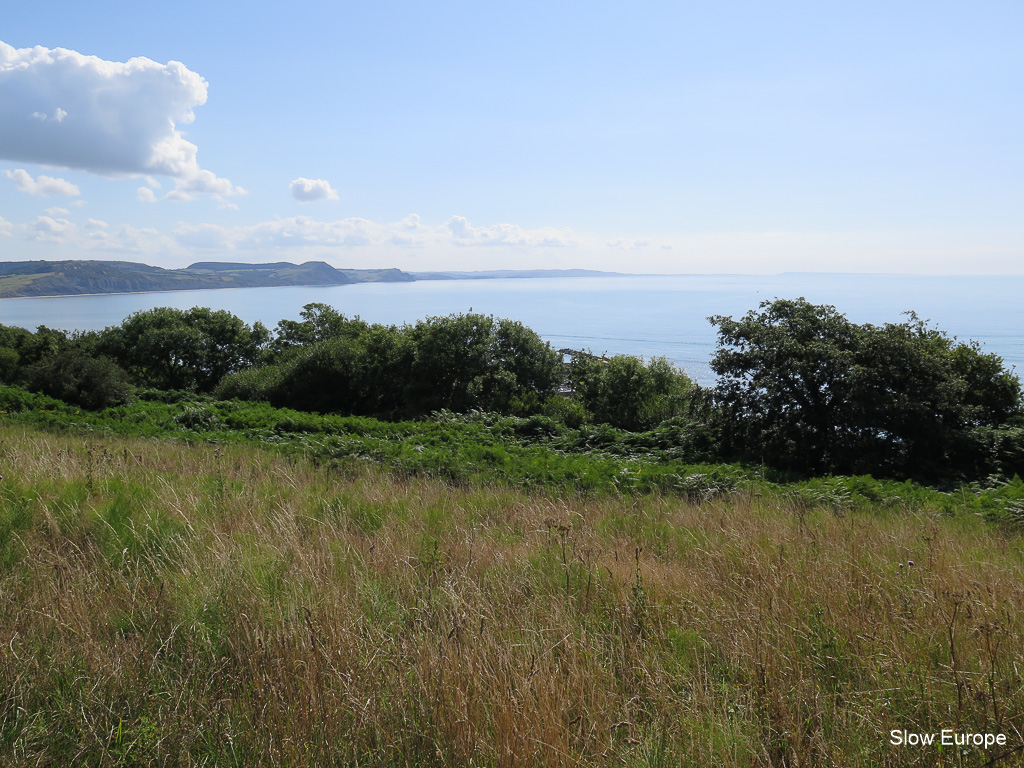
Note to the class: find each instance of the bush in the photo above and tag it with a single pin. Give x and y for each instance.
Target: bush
(566, 410)
(628, 393)
(92, 383)
(255, 384)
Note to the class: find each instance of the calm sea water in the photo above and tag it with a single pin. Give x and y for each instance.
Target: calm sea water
(642, 315)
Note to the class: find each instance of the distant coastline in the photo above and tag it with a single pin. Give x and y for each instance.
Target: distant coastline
(55, 279)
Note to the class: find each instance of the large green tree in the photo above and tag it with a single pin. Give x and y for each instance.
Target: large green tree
(320, 322)
(468, 361)
(801, 387)
(183, 349)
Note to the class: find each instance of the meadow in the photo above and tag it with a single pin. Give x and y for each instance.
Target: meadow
(438, 545)
(193, 601)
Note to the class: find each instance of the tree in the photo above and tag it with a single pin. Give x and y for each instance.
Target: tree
(468, 361)
(319, 322)
(628, 393)
(332, 364)
(183, 349)
(802, 388)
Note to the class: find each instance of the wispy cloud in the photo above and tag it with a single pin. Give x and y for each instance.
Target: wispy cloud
(307, 232)
(508, 234)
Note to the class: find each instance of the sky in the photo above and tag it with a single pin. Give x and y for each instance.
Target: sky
(678, 137)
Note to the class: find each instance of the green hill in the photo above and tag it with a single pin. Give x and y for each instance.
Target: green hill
(70, 278)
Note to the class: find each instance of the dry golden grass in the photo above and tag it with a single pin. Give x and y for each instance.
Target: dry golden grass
(168, 605)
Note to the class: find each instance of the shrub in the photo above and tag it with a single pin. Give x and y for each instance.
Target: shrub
(628, 393)
(92, 383)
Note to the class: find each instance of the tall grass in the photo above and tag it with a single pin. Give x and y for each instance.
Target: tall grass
(164, 604)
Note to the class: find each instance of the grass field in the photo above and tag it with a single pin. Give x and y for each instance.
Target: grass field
(12, 283)
(168, 604)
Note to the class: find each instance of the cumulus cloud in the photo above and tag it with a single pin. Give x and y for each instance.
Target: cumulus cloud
(59, 107)
(44, 185)
(145, 195)
(51, 230)
(6, 228)
(311, 190)
(202, 182)
(121, 239)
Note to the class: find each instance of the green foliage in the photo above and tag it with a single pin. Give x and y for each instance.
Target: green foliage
(627, 393)
(319, 322)
(183, 349)
(9, 359)
(93, 383)
(802, 388)
(250, 384)
(20, 349)
(330, 364)
(566, 410)
(533, 452)
(469, 361)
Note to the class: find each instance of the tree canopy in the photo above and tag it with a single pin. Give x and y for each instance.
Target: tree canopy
(802, 387)
(183, 349)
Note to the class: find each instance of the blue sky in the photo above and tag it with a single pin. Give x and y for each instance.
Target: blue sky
(743, 137)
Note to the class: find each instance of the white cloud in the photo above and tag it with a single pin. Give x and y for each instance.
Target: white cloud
(202, 236)
(310, 190)
(122, 239)
(56, 211)
(50, 230)
(145, 195)
(6, 228)
(303, 232)
(62, 108)
(44, 185)
(508, 234)
(57, 116)
(202, 182)
(634, 245)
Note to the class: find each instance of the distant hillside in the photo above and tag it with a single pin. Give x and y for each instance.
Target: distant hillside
(70, 278)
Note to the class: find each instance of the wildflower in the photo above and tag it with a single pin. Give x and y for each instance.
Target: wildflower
(910, 563)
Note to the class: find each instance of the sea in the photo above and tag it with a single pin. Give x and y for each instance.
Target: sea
(645, 315)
